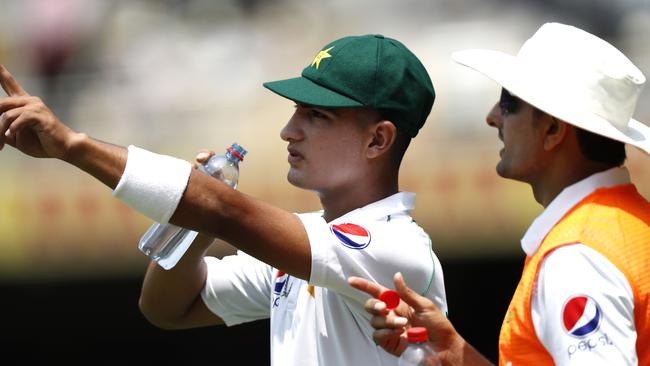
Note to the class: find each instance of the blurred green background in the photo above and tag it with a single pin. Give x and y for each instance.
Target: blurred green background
(177, 76)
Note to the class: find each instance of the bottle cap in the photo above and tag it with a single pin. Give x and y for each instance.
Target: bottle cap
(391, 298)
(237, 150)
(417, 334)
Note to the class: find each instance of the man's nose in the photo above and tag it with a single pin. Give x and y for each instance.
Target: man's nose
(291, 131)
(494, 117)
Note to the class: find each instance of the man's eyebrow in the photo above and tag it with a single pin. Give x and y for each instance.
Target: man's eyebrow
(327, 111)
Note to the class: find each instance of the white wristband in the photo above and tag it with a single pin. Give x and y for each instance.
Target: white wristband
(153, 184)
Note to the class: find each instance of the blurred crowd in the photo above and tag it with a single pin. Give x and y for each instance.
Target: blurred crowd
(175, 76)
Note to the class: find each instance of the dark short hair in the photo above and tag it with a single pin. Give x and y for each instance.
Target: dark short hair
(600, 148)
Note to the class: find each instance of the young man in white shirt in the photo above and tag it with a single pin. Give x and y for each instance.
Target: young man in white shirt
(358, 104)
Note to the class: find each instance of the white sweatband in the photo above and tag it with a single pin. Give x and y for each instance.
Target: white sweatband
(153, 184)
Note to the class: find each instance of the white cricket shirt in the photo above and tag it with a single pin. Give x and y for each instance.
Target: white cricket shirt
(576, 274)
(328, 326)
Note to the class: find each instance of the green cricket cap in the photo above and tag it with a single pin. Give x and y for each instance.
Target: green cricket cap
(365, 71)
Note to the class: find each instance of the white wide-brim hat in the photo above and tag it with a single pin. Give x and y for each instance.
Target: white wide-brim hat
(571, 75)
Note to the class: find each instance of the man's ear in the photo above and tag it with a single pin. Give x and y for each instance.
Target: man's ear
(555, 131)
(382, 138)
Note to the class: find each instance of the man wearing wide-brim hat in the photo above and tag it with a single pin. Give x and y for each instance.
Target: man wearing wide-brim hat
(564, 116)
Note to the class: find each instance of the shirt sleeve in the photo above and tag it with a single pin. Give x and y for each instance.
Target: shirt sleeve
(583, 310)
(376, 254)
(238, 288)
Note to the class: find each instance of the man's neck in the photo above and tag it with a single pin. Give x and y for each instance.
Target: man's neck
(555, 181)
(337, 204)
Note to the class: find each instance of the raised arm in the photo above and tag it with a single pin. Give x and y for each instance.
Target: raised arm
(270, 234)
(28, 125)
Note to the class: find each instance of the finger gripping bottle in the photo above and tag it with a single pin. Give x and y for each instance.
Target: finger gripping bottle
(166, 243)
(418, 352)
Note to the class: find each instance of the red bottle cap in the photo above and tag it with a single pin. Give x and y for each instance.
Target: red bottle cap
(391, 298)
(417, 334)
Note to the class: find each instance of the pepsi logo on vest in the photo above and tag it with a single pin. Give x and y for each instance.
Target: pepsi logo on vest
(581, 316)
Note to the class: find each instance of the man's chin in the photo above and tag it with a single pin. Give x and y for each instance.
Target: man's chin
(506, 173)
(298, 181)
(294, 180)
(502, 171)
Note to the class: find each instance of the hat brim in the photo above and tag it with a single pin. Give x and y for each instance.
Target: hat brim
(507, 72)
(305, 91)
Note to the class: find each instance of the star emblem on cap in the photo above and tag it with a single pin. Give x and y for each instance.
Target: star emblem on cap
(321, 55)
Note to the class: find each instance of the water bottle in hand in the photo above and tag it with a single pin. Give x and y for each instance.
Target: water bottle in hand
(418, 352)
(166, 243)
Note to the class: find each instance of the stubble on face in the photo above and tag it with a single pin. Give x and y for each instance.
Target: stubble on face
(523, 144)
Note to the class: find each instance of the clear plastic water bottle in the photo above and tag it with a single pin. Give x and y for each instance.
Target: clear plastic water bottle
(166, 243)
(418, 352)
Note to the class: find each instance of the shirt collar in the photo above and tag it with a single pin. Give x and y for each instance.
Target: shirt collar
(398, 203)
(568, 198)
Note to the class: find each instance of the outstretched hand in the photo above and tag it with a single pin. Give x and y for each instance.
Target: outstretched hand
(413, 310)
(27, 124)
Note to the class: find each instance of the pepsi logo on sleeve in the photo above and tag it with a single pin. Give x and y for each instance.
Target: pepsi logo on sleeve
(280, 282)
(581, 316)
(351, 235)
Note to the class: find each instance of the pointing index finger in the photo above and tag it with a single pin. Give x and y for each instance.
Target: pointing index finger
(9, 84)
(371, 288)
